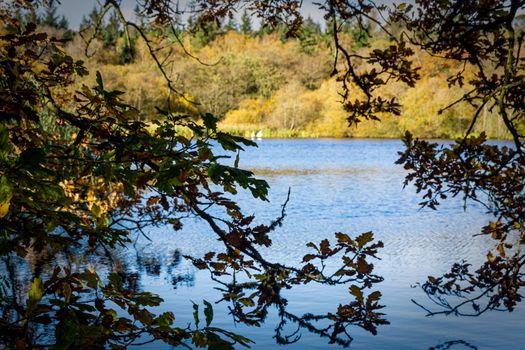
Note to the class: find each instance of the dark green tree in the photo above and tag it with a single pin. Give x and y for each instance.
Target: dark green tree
(231, 24)
(50, 17)
(63, 23)
(246, 23)
(310, 34)
(92, 19)
(111, 31)
(141, 18)
(33, 16)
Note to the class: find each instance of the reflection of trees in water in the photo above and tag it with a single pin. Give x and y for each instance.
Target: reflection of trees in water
(250, 301)
(452, 344)
(495, 285)
(17, 272)
(154, 264)
(253, 292)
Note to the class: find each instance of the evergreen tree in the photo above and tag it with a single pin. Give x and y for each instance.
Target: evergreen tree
(50, 17)
(63, 23)
(231, 24)
(202, 33)
(19, 17)
(310, 34)
(310, 27)
(32, 17)
(359, 35)
(92, 19)
(141, 19)
(246, 24)
(267, 29)
(111, 31)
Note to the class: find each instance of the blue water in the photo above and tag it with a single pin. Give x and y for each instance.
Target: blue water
(349, 186)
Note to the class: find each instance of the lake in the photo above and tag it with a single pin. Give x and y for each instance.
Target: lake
(349, 186)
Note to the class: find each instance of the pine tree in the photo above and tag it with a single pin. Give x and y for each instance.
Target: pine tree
(92, 19)
(231, 24)
(20, 17)
(32, 16)
(246, 24)
(111, 31)
(141, 18)
(310, 27)
(50, 17)
(63, 23)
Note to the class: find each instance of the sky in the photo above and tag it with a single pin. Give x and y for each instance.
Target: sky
(74, 10)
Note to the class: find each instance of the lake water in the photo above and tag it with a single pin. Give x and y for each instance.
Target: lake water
(350, 186)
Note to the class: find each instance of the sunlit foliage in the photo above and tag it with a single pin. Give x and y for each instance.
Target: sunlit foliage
(80, 170)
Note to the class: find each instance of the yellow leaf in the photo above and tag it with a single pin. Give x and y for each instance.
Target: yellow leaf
(501, 251)
(5, 196)
(4, 208)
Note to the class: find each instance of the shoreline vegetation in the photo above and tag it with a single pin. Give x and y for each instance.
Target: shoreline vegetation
(259, 80)
(248, 132)
(284, 134)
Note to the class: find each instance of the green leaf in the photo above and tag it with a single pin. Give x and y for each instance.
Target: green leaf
(165, 319)
(199, 339)
(100, 83)
(214, 171)
(32, 158)
(196, 314)
(210, 122)
(208, 312)
(343, 238)
(51, 192)
(115, 280)
(232, 143)
(65, 335)
(37, 290)
(113, 314)
(236, 163)
(5, 147)
(66, 290)
(247, 302)
(364, 238)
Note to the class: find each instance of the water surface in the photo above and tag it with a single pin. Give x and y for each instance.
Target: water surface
(349, 186)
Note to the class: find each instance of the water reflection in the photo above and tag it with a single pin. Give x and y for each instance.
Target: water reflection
(131, 267)
(456, 344)
(249, 300)
(348, 186)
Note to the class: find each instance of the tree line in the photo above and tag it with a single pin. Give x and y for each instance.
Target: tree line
(260, 79)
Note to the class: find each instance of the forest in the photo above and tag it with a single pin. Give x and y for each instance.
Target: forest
(131, 208)
(257, 78)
